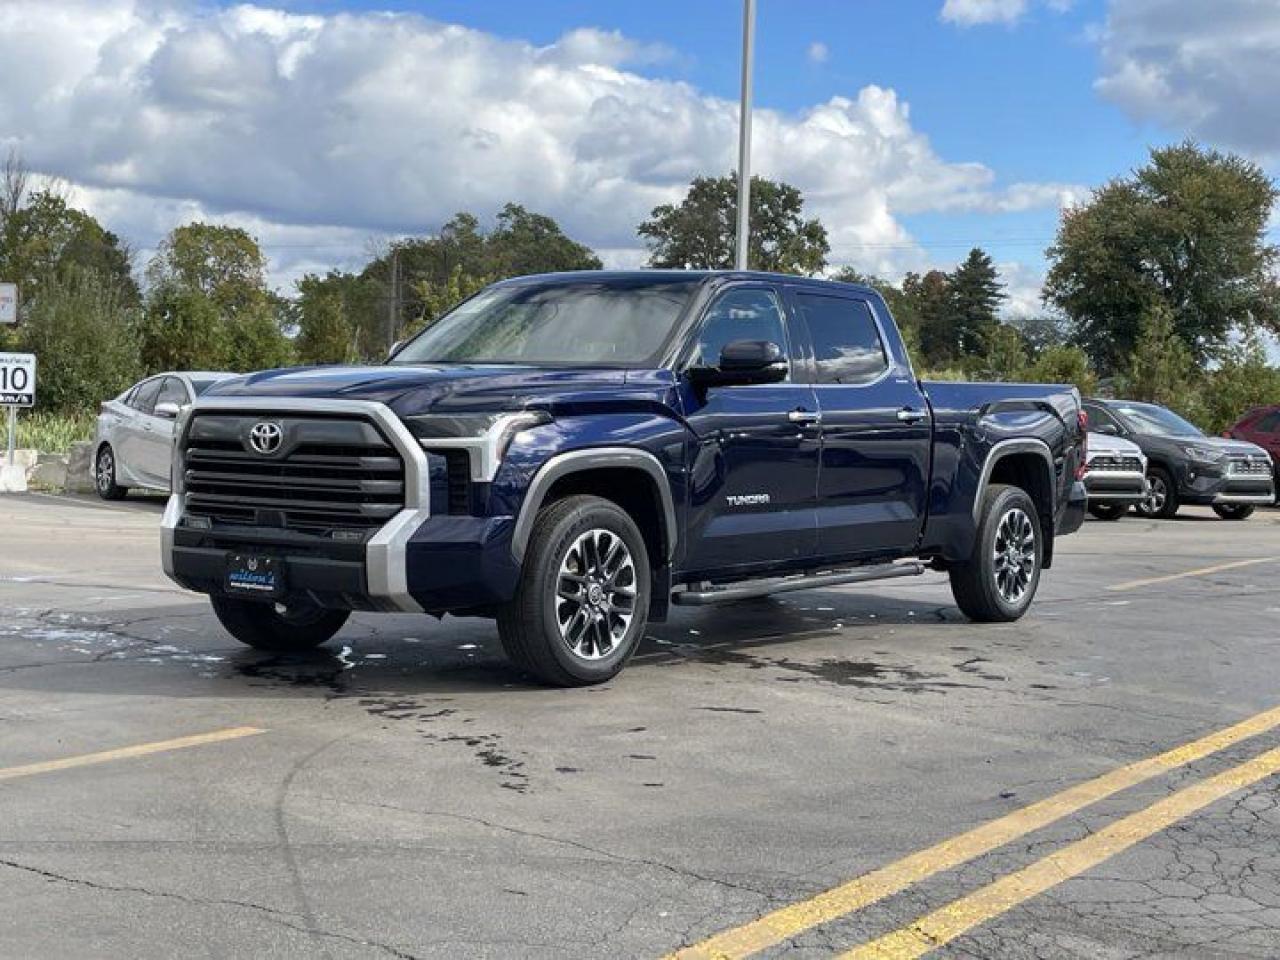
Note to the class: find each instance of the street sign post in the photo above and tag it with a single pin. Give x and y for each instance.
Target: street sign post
(17, 389)
(8, 303)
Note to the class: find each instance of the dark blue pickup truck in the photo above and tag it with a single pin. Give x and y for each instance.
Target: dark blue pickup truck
(571, 454)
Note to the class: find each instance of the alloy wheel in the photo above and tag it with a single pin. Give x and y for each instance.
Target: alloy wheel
(595, 594)
(106, 473)
(1156, 497)
(1014, 555)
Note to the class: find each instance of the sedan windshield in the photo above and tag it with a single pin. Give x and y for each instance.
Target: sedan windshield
(1148, 418)
(606, 322)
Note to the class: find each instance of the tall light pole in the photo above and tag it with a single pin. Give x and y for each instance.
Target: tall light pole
(744, 136)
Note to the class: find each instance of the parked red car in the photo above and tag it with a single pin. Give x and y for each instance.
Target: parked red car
(1261, 425)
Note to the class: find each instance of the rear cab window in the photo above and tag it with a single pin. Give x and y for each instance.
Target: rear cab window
(846, 342)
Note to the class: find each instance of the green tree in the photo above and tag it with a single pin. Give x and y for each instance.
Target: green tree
(1063, 364)
(208, 304)
(323, 319)
(976, 295)
(1161, 367)
(85, 334)
(1185, 233)
(931, 303)
(525, 243)
(438, 298)
(1004, 356)
(1243, 380)
(42, 237)
(698, 233)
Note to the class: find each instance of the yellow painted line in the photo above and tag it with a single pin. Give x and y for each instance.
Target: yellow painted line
(786, 922)
(958, 917)
(128, 753)
(1201, 572)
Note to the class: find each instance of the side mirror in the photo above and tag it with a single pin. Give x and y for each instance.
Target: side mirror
(1108, 428)
(168, 411)
(743, 362)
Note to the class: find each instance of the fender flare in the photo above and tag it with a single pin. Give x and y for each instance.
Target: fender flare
(577, 461)
(1003, 449)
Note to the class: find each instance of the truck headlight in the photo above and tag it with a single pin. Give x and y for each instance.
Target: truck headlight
(1203, 454)
(485, 435)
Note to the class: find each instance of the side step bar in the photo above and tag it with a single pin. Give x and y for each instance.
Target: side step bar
(764, 588)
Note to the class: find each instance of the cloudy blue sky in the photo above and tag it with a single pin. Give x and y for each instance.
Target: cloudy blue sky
(916, 128)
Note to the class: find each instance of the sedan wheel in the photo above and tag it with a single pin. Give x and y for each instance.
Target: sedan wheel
(104, 476)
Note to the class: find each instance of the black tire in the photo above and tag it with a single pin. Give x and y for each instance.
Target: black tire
(104, 475)
(983, 588)
(1233, 511)
(1107, 511)
(1163, 501)
(299, 627)
(587, 638)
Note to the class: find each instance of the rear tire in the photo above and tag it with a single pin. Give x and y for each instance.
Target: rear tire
(1239, 511)
(999, 580)
(582, 603)
(299, 627)
(104, 475)
(1107, 511)
(1162, 503)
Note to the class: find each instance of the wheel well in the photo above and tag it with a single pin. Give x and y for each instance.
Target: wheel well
(633, 490)
(1030, 473)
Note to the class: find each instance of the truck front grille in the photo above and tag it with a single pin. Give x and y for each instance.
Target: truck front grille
(1126, 464)
(329, 473)
(1249, 467)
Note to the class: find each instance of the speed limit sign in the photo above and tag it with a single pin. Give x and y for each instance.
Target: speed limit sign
(17, 379)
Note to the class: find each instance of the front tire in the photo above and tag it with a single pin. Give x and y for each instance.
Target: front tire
(1162, 501)
(999, 580)
(104, 475)
(1237, 511)
(582, 603)
(1107, 511)
(291, 627)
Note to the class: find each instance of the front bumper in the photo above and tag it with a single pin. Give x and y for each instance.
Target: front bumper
(1116, 487)
(1205, 487)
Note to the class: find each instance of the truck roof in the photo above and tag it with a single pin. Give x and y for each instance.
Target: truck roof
(705, 276)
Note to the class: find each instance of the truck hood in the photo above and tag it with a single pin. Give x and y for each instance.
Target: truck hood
(410, 390)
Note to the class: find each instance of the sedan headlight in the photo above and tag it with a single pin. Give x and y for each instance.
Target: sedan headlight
(1203, 454)
(485, 435)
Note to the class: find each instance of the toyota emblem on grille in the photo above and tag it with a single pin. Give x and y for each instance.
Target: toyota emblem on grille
(265, 437)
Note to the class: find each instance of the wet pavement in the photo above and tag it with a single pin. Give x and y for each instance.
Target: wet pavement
(411, 795)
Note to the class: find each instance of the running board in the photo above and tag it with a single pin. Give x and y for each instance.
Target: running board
(764, 588)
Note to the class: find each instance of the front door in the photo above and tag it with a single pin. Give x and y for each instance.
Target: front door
(876, 434)
(754, 459)
(157, 444)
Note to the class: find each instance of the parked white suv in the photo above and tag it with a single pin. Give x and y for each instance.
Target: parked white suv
(1115, 476)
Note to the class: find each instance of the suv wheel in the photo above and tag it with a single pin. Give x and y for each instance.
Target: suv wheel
(1162, 501)
(998, 582)
(1107, 511)
(294, 626)
(582, 603)
(1236, 511)
(104, 475)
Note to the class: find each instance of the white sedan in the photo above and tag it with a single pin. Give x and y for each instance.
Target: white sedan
(134, 442)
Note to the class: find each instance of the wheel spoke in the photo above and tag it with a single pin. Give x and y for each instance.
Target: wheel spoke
(596, 594)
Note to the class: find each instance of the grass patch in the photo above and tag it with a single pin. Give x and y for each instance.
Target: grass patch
(49, 432)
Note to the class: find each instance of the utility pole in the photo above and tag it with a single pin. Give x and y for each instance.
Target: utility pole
(744, 137)
(393, 303)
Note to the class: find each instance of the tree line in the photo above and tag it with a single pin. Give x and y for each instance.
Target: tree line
(1159, 287)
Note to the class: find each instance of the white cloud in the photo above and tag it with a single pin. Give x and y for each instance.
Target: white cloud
(968, 13)
(321, 131)
(1208, 69)
(819, 52)
(972, 13)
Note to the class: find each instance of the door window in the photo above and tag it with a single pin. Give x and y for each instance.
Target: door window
(173, 391)
(750, 314)
(1269, 423)
(1099, 417)
(144, 395)
(847, 347)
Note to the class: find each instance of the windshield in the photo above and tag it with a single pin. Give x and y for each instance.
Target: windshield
(1148, 418)
(609, 322)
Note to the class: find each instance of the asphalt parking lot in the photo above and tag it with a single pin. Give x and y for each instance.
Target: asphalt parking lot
(858, 766)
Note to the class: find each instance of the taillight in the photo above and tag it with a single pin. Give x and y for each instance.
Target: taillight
(1082, 419)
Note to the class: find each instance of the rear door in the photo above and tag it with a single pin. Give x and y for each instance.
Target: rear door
(754, 462)
(134, 432)
(876, 434)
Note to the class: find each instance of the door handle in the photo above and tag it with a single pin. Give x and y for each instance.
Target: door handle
(804, 416)
(910, 415)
